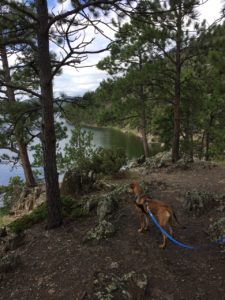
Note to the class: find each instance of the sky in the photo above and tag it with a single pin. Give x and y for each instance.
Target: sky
(76, 82)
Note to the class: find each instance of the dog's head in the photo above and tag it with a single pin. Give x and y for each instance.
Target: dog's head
(135, 188)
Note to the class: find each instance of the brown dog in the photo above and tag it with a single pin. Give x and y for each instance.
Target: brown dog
(161, 210)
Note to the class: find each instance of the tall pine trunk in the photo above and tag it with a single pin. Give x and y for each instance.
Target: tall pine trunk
(48, 128)
(28, 173)
(143, 128)
(177, 91)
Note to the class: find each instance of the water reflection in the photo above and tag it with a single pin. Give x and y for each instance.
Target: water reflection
(104, 137)
(113, 138)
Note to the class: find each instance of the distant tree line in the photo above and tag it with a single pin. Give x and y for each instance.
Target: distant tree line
(166, 79)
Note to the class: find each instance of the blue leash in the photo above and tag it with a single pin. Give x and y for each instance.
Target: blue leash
(220, 241)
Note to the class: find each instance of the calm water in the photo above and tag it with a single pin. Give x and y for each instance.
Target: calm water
(104, 137)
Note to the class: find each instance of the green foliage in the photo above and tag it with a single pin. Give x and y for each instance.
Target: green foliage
(15, 180)
(16, 184)
(78, 152)
(25, 222)
(108, 161)
(61, 133)
(72, 209)
(82, 155)
(4, 211)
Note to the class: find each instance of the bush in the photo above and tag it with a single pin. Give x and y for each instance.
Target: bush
(25, 222)
(80, 154)
(72, 209)
(108, 161)
(15, 187)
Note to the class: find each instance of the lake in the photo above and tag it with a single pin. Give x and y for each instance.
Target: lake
(105, 137)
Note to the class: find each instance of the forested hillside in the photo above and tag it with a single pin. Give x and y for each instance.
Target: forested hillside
(166, 79)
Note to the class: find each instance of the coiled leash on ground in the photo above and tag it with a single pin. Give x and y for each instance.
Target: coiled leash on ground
(218, 242)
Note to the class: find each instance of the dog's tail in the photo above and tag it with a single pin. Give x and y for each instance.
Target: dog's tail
(177, 221)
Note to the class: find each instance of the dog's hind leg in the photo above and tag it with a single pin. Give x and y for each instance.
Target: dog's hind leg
(164, 219)
(163, 245)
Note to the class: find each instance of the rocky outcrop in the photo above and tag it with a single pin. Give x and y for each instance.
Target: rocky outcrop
(198, 203)
(217, 230)
(106, 208)
(75, 183)
(107, 205)
(29, 199)
(131, 285)
(103, 230)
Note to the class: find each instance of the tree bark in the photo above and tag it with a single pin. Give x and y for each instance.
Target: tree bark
(177, 113)
(28, 173)
(143, 129)
(48, 128)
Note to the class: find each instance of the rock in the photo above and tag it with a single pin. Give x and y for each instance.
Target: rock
(217, 230)
(107, 205)
(129, 286)
(102, 231)
(9, 263)
(14, 241)
(161, 159)
(75, 183)
(197, 203)
(28, 199)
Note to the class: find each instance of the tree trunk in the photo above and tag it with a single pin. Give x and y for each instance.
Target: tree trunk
(48, 128)
(189, 131)
(29, 176)
(207, 137)
(143, 131)
(176, 127)
(28, 173)
(207, 146)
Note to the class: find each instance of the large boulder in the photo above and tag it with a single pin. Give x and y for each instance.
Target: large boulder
(107, 206)
(161, 159)
(29, 198)
(75, 183)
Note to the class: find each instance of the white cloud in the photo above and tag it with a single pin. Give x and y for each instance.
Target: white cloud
(210, 10)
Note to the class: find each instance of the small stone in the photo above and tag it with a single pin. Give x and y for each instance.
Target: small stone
(51, 291)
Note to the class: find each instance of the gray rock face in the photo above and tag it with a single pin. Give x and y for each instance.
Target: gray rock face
(197, 203)
(217, 230)
(75, 183)
(109, 286)
(106, 206)
(28, 199)
(102, 231)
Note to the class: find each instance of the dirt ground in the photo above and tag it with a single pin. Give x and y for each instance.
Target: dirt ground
(57, 264)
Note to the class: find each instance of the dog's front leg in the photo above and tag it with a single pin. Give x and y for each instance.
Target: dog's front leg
(142, 222)
(146, 222)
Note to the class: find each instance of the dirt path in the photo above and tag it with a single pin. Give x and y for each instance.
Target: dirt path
(58, 265)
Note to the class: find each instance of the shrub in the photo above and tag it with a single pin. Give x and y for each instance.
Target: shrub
(80, 154)
(108, 161)
(72, 209)
(25, 222)
(15, 187)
